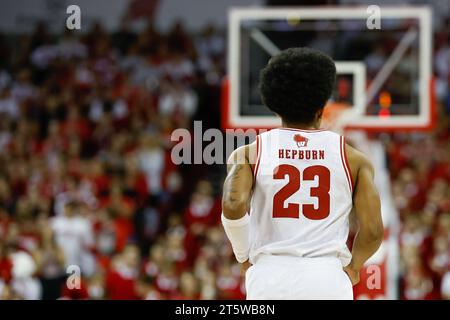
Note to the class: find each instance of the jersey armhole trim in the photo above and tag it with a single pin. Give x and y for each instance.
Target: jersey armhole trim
(258, 156)
(253, 165)
(344, 159)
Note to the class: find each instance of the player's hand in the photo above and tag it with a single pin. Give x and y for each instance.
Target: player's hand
(352, 273)
(244, 266)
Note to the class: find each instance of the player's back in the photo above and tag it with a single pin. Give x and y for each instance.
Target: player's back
(299, 211)
(302, 195)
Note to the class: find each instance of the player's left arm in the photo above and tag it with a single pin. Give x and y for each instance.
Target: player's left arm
(237, 190)
(367, 209)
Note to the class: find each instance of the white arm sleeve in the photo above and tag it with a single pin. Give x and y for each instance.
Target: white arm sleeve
(238, 232)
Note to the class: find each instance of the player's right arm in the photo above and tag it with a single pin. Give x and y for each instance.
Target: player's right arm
(237, 191)
(366, 203)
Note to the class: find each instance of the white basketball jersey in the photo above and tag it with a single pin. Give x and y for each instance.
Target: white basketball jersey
(302, 195)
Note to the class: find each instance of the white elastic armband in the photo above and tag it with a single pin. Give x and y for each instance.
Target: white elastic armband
(238, 232)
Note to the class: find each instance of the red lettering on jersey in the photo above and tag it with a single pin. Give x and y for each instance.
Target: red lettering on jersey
(292, 210)
(301, 154)
(321, 192)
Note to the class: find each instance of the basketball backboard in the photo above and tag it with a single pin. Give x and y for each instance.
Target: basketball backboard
(383, 75)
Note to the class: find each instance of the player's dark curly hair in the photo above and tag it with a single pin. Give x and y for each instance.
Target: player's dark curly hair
(296, 83)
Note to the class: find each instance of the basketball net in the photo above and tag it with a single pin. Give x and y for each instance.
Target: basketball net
(336, 116)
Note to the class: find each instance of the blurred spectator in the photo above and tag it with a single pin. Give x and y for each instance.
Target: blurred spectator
(8, 105)
(73, 233)
(445, 286)
(121, 280)
(50, 259)
(23, 282)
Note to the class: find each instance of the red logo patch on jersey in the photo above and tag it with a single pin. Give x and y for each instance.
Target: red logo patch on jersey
(301, 140)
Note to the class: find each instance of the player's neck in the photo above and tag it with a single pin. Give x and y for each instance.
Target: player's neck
(302, 126)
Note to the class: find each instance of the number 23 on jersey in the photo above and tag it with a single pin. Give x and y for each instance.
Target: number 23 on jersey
(321, 192)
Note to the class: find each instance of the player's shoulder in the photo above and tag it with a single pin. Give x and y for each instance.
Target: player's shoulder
(243, 154)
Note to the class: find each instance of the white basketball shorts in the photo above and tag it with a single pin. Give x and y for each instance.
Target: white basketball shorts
(294, 278)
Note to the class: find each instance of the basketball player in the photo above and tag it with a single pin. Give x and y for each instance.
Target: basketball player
(287, 196)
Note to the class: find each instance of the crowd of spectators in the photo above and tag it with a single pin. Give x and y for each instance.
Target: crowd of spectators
(86, 178)
(420, 168)
(419, 164)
